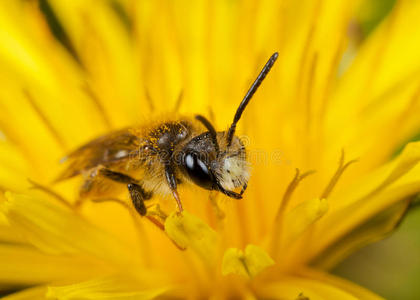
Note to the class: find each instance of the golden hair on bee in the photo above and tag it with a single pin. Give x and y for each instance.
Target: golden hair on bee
(157, 157)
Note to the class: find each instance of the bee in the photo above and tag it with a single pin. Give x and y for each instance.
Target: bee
(156, 158)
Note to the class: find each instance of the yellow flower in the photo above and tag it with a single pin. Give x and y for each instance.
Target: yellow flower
(73, 70)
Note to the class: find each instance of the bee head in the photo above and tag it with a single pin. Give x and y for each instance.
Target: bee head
(217, 160)
(215, 167)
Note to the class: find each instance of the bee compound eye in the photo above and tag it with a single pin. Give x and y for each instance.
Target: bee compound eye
(198, 171)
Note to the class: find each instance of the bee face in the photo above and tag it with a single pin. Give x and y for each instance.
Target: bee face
(197, 159)
(231, 168)
(213, 168)
(198, 170)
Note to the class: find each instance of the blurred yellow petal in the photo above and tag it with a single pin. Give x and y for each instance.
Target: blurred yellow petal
(377, 89)
(345, 285)
(35, 142)
(57, 230)
(106, 50)
(314, 285)
(103, 288)
(11, 158)
(373, 229)
(297, 288)
(7, 235)
(14, 168)
(37, 293)
(378, 192)
(26, 265)
(21, 59)
(248, 263)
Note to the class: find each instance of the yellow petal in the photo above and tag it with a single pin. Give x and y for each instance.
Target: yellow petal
(58, 230)
(369, 197)
(378, 179)
(160, 53)
(25, 265)
(14, 167)
(372, 230)
(345, 285)
(12, 158)
(248, 264)
(31, 73)
(188, 231)
(394, 38)
(314, 286)
(7, 235)
(302, 289)
(36, 293)
(29, 132)
(409, 157)
(107, 51)
(376, 92)
(103, 288)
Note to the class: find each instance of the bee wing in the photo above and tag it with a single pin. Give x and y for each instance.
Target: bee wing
(113, 148)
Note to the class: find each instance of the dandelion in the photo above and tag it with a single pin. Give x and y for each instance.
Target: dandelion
(324, 135)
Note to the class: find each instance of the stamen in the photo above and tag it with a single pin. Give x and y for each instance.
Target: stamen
(158, 212)
(341, 168)
(278, 221)
(188, 231)
(248, 263)
(289, 191)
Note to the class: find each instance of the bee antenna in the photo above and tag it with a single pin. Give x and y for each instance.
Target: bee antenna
(249, 95)
(211, 130)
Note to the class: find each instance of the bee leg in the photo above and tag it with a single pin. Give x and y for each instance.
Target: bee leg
(117, 176)
(138, 195)
(84, 191)
(243, 189)
(170, 178)
(92, 184)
